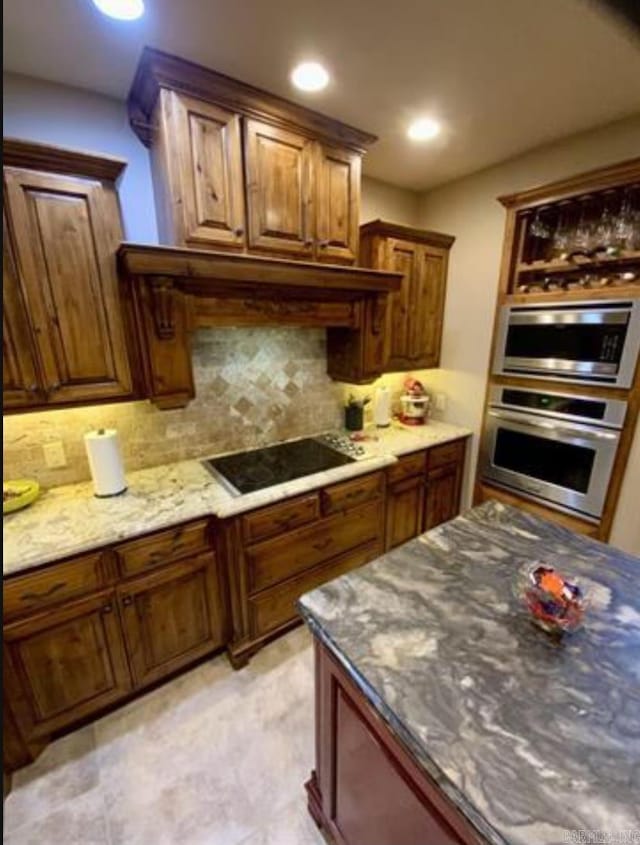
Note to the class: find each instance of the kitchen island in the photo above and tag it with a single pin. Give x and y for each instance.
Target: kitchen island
(443, 715)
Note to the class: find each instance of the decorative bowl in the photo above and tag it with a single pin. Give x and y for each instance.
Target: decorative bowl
(18, 494)
(555, 603)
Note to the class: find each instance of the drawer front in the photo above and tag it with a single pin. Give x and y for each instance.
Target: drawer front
(407, 466)
(267, 522)
(350, 494)
(448, 453)
(54, 584)
(276, 560)
(163, 547)
(275, 607)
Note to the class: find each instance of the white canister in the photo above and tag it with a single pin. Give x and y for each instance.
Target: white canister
(105, 462)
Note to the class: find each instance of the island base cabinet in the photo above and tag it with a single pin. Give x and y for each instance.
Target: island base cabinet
(366, 788)
(65, 664)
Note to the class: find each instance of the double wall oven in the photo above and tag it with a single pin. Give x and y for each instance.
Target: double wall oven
(557, 448)
(550, 445)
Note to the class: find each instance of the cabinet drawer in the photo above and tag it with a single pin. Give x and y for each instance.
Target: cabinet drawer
(407, 466)
(54, 584)
(162, 547)
(276, 560)
(275, 607)
(349, 494)
(448, 453)
(284, 516)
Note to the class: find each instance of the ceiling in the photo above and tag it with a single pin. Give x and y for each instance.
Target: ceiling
(503, 76)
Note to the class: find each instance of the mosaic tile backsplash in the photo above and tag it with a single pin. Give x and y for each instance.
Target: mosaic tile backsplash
(253, 387)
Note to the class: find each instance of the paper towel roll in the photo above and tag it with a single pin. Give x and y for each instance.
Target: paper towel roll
(382, 407)
(105, 462)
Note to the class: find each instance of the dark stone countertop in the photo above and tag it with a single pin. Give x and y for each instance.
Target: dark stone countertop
(530, 737)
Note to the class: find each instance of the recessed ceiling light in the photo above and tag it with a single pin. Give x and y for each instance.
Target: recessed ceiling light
(423, 129)
(310, 76)
(123, 10)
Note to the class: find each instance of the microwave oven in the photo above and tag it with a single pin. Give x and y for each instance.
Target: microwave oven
(591, 342)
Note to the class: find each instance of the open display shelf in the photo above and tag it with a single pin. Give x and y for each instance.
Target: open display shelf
(582, 236)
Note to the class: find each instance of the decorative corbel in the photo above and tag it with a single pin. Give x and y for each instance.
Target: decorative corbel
(162, 294)
(378, 313)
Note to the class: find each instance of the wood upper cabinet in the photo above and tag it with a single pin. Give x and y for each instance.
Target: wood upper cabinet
(20, 378)
(216, 141)
(65, 230)
(171, 617)
(279, 178)
(415, 313)
(65, 663)
(197, 166)
(337, 204)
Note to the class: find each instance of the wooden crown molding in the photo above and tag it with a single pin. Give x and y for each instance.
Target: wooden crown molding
(157, 70)
(35, 156)
(395, 230)
(601, 178)
(204, 270)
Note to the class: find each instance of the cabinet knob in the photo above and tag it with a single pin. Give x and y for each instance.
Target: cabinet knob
(238, 232)
(107, 608)
(33, 388)
(323, 244)
(308, 242)
(127, 600)
(55, 386)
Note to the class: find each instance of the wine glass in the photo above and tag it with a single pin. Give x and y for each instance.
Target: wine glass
(539, 226)
(561, 240)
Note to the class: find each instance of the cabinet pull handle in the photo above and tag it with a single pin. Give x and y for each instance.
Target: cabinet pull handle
(127, 600)
(107, 608)
(285, 521)
(322, 544)
(47, 593)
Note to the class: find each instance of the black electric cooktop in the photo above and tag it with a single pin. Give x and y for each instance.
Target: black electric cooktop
(246, 472)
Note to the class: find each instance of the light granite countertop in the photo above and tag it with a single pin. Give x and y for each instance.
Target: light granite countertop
(70, 519)
(532, 738)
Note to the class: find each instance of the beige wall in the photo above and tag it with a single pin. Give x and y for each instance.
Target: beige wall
(382, 201)
(468, 209)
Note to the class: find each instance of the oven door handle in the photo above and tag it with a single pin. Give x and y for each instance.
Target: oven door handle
(583, 431)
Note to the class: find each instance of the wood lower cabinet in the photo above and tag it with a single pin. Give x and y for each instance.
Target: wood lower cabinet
(86, 633)
(66, 663)
(343, 528)
(65, 230)
(171, 617)
(405, 504)
(414, 314)
(442, 500)
(423, 490)
(366, 788)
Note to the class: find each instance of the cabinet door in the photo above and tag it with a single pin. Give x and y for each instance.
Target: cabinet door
(65, 664)
(202, 145)
(279, 168)
(171, 617)
(20, 380)
(66, 231)
(402, 257)
(442, 500)
(404, 510)
(337, 204)
(427, 306)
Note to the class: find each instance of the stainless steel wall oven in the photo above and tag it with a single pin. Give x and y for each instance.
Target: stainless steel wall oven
(556, 448)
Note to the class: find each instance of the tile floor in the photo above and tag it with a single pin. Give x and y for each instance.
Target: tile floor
(215, 757)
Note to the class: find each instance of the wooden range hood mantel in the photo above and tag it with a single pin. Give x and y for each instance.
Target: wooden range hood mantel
(171, 291)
